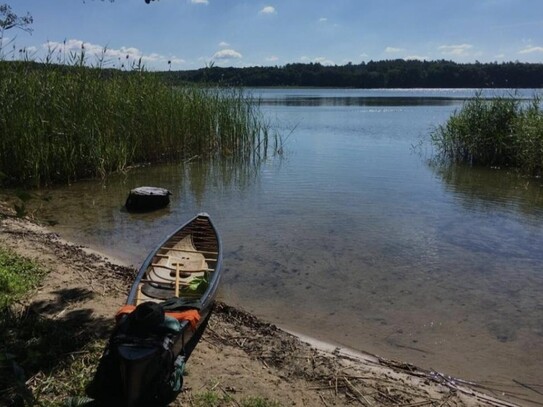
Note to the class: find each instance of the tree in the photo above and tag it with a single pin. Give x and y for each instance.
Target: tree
(9, 20)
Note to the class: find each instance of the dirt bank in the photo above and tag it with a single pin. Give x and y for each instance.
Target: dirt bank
(239, 355)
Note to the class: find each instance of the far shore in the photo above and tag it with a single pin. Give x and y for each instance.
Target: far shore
(239, 356)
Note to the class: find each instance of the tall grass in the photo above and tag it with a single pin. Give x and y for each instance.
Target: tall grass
(60, 124)
(502, 131)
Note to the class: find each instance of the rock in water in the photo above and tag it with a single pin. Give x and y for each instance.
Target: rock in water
(143, 199)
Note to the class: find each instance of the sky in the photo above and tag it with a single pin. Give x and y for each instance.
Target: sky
(191, 34)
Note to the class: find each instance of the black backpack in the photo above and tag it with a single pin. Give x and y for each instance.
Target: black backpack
(138, 367)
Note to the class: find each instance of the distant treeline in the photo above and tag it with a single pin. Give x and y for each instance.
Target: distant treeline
(397, 73)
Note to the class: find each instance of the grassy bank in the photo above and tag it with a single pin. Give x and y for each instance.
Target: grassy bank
(494, 132)
(17, 276)
(60, 124)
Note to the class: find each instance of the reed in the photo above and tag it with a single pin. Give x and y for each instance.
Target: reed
(59, 124)
(498, 132)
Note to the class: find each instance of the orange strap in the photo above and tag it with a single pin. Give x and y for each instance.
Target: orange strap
(125, 309)
(191, 315)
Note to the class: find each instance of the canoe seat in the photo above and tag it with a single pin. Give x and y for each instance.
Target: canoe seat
(191, 263)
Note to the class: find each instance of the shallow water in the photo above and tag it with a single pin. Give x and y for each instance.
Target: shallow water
(352, 237)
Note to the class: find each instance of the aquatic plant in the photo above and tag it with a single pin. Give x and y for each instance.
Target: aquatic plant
(501, 131)
(62, 123)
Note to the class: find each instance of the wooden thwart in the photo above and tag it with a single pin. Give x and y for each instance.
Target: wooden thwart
(158, 265)
(165, 256)
(167, 284)
(187, 251)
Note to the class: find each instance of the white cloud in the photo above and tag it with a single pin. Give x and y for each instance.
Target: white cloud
(324, 61)
(74, 45)
(177, 61)
(227, 54)
(416, 57)
(460, 49)
(268, 10)
(363, 55)
(206, 2)
(530, 50)
(323, 20)
(499, 56)
(272, 58)
(392, 50)
(317, 60)
(123, 55)
(223, 44)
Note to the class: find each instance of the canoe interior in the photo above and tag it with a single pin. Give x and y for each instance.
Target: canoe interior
(188, 256)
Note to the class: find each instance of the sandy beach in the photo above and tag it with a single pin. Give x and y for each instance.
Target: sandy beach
(239, 355)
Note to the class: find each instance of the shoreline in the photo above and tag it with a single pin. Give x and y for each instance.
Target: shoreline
(247, 357)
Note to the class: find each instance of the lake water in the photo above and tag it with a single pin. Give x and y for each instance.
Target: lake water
(353, 238)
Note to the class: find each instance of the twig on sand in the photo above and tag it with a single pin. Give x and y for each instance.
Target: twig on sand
(419, 403)
(264, 362)
(323, 401)
(230, 397)
(527, 386)
(446, 400)
(357, 392)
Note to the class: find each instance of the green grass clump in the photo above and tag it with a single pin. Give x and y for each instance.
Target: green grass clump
(259, 402)
(17, 276)
(62, 123)
(499, 132)
(211, 398)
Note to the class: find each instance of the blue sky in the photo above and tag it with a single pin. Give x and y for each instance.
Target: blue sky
(193, 33)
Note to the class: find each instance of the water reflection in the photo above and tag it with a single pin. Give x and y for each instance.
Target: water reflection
(486, 188)
(221, 174)
(361, 101)
(92, 212)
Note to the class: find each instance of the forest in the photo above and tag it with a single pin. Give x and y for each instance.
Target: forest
(396, 73)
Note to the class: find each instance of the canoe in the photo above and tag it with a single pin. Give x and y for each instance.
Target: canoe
(166, 312)
(186, 265)
(143, 199)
